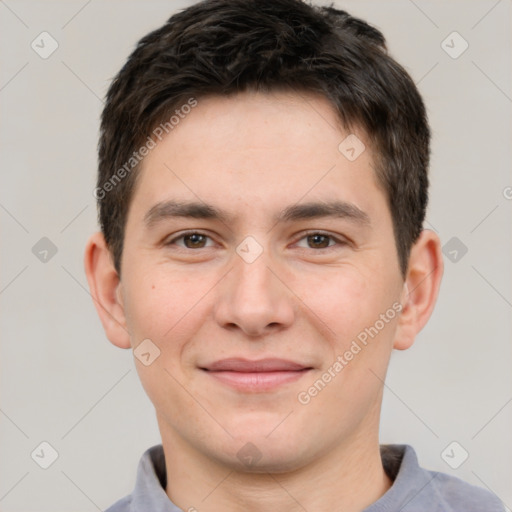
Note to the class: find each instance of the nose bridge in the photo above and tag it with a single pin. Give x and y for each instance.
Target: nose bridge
(253, 277)
(252, 263)
(252, 297)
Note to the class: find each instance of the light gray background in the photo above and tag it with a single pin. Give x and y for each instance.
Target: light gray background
(64, 383)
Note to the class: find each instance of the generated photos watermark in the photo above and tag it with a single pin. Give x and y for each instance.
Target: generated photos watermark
(357, 345)
(137, 156)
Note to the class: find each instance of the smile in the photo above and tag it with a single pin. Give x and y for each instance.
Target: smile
(256, 376)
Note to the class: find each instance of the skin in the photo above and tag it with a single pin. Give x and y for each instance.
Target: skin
(302, 299)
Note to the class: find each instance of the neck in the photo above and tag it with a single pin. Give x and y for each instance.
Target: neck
(349, 477)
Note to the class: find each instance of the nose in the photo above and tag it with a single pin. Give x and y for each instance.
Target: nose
(253, 298)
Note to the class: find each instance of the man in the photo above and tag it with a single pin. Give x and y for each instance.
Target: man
(262, 189)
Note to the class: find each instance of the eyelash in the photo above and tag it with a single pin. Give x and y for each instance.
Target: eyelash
(337, 241)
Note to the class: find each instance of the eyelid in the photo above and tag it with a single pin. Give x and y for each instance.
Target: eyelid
(340, 241)
(183, 234)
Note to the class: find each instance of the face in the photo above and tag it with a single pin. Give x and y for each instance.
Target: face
(274, 301)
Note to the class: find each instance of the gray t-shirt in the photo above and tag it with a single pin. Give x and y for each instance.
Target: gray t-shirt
(414, 489)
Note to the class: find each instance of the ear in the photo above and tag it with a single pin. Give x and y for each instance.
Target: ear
(105, 286)
(421, 288)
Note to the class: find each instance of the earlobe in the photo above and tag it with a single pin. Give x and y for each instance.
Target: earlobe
(105, 288)
(421, 288)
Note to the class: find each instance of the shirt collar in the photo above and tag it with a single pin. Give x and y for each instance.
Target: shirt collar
(149, 492)
(399, 461)
(411, 483)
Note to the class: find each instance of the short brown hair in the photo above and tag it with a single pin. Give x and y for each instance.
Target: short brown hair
(221, 47)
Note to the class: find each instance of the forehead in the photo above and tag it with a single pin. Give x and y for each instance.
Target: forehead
(253, 150)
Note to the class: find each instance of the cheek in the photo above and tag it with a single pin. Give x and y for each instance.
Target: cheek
(341, 297)
(169, 308)
(160, 304)
(351, 304)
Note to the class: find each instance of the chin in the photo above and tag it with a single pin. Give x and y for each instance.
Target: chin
(266, 460)
(259, 453)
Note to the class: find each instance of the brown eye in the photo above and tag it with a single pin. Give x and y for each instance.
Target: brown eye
(194, 241)
(191, 240)
(318, 241)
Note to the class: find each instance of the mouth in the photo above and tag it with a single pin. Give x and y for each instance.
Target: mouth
(256, 376)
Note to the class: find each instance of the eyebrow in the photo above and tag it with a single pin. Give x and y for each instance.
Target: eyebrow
(312, 210)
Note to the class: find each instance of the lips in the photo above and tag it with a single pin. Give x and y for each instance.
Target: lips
(263, 365)
(256, 376)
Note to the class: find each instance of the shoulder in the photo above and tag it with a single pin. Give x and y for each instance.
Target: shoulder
(149, 491)
(457, 495)
(416, 489)
(122, 505)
